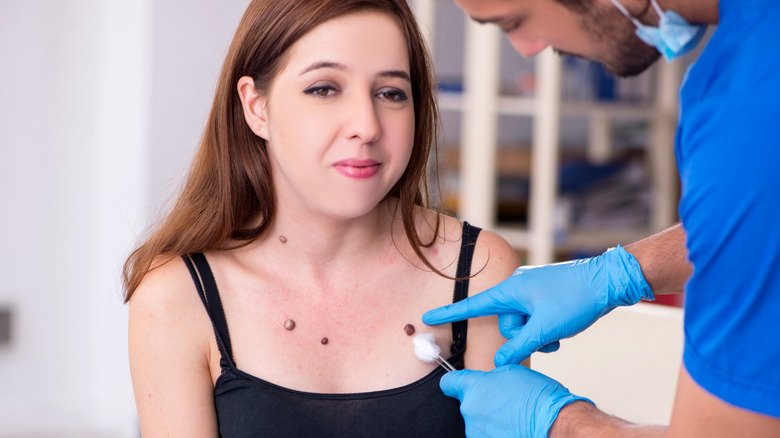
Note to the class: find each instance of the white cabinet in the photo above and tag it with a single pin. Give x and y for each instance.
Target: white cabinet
(480, 104)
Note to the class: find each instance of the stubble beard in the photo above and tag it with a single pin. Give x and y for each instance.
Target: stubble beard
(622, 52)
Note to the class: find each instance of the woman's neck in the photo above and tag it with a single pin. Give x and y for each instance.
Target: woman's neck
(323, 244)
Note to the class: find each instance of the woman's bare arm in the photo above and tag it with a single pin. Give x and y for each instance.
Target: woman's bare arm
(169, 338)
(499, 260)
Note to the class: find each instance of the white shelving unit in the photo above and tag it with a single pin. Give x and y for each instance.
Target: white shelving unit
(480, 105)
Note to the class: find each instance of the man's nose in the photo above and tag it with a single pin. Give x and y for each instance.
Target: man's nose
(527, 47)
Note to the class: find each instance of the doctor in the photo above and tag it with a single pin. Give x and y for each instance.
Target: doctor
(725, 253)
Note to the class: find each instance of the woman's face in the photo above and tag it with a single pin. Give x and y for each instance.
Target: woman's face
(339, 117)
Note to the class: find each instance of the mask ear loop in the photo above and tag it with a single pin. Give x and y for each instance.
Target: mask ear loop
(657, 8)
(628, 15)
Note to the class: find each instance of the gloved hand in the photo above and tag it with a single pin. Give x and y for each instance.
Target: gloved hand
(539, 305)
(510, 401)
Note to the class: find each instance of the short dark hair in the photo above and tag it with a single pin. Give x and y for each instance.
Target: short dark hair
(577, 6)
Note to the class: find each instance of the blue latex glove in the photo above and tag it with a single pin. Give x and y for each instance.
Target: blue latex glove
(510, 401)
(539, 305)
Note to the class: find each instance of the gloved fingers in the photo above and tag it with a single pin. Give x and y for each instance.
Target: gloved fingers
(456, 383)
(551, 347)
(510, 324)
(492, 301)
(525, 341)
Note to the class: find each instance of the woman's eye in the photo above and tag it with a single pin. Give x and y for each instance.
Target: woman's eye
(393, 95)
(321, 91)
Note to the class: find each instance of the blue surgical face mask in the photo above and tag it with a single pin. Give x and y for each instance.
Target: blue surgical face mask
(673, 37)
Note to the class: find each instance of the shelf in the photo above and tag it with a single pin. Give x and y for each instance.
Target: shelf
(600, 239)
(595, 240)
(517, 105)
(474, 97)
(613, 110)
(515, 236)
(450, 101)
(526, 106)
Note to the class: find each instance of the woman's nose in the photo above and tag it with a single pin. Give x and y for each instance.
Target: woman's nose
(363, 119)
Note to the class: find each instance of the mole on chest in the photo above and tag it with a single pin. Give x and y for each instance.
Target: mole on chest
(289, 325)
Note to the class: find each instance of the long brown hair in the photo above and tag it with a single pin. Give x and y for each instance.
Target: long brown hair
(228, 195)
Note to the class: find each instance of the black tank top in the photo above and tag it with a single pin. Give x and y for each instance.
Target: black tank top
(248, 406)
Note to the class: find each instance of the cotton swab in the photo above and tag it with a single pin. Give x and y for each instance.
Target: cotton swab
(426, 350)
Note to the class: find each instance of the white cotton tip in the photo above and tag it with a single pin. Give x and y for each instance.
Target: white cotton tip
(425, 347)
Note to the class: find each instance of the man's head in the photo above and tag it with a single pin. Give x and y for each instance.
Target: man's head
(593, 29)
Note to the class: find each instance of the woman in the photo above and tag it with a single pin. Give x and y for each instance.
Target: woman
(305, 246)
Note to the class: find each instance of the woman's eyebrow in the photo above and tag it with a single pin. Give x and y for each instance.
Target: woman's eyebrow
(341, 67)
(323, 64)
(401, 74)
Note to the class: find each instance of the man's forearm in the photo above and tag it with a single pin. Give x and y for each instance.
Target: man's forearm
(582, 419)
(664, 260)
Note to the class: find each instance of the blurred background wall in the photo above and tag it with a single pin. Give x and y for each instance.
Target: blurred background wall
(101, 105)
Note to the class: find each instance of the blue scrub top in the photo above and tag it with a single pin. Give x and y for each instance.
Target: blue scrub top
(728, 154)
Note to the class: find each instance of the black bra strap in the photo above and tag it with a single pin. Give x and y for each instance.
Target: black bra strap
(467, 244)
(201, 273)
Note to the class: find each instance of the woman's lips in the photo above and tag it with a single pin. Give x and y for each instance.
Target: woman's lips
(355, 168)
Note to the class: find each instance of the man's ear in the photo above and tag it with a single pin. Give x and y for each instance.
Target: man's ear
(254, 107)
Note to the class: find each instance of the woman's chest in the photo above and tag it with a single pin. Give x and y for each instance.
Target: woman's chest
(349, 338)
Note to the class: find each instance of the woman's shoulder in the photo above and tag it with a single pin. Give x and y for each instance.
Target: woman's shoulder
(167, 321)
(494, 258)
(170, 349)
(166, 294)
(450, 229)
(447, 229)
